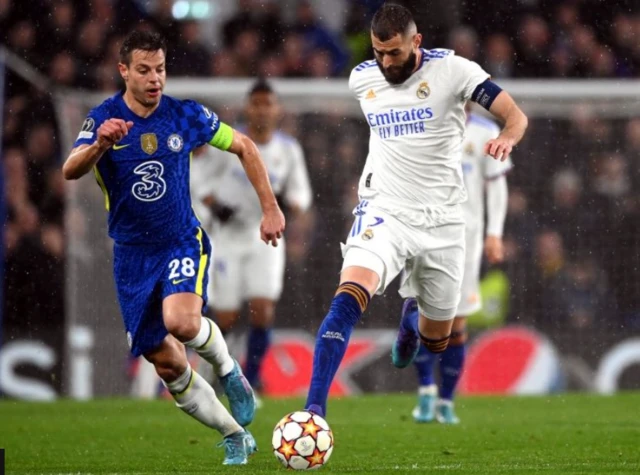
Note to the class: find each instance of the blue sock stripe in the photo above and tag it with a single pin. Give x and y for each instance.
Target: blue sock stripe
(357, 291)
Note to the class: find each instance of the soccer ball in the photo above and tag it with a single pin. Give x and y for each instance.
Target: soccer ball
(302, 441)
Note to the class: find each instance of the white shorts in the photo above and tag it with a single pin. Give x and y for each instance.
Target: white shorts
(470, 298)
(429, 246)
(244, 268)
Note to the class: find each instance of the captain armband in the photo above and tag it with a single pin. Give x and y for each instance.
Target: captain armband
(485, 93)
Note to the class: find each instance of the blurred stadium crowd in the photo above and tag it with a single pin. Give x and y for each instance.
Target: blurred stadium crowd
(574, 210)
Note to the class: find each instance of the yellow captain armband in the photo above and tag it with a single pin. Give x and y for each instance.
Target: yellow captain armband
(223, 137)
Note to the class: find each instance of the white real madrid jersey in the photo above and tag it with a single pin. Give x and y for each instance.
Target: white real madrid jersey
(221, 174)
(478, 168)
(416, 129)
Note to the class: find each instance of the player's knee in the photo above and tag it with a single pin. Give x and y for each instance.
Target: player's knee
(183, 325)
(458, 338)
(435, 345)
(262, 313)
(226, 320)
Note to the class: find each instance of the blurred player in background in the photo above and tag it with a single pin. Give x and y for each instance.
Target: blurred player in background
(244, 271)
(411, 190)
(138, 145)
(480, 173)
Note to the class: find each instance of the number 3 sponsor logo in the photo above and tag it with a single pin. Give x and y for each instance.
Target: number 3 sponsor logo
(152, 186)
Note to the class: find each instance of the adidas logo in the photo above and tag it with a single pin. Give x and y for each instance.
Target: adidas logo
(370, 94)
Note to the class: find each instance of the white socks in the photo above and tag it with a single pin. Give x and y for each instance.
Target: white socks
(209, 343)
(198, 399)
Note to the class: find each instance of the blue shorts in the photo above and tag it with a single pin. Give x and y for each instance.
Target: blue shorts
(146, 274)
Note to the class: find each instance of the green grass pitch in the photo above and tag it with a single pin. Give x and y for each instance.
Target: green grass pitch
(569, 433)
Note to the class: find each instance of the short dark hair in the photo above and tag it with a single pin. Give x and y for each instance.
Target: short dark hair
(391, 20)
(261, 85)
(142, 40)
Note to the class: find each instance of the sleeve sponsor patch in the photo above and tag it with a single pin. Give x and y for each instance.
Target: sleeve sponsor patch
(85, 135)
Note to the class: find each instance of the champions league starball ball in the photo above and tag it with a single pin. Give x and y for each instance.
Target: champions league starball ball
(302, 441)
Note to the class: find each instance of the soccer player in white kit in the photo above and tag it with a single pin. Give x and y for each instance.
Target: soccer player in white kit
(410, 216)
(243, 270)
(481, 175)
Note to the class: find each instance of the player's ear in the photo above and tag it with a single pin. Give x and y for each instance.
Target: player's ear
(417, 40)
(124, 71)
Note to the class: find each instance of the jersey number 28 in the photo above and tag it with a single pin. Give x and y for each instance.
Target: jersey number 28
(187, 269)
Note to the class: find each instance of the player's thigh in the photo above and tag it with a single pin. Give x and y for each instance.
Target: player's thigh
(138, 272)
(377, 242)
(470, 298)
(228, 277)
(186, 266)
(181, 313)
(263, 270)
(436, 273)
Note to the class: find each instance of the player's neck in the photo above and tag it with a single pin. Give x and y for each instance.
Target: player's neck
(418, 61)
(138, 108)
(258, 135)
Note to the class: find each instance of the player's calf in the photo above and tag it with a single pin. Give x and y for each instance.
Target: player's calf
(192, 394)
(209, 343)
(348, 304)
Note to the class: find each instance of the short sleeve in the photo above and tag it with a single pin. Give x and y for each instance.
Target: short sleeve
(202, 123)
(467, 75)
(89, 130)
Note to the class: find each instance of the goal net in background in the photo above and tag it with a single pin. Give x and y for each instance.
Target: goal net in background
(573, 255)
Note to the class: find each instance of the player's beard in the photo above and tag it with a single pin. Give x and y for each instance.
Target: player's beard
(399, 74)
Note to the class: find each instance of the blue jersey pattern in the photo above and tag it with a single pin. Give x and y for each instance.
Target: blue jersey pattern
(146, 176)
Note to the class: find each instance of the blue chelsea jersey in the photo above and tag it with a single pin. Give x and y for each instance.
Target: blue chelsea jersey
(145, 177)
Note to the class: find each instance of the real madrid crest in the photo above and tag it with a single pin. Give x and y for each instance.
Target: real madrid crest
(149, 143)
(423, 90)
(175, 142)
(469, 149)
(367, 234)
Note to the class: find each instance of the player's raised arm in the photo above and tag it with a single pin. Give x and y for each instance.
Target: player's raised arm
(272, 225)
(84, 157)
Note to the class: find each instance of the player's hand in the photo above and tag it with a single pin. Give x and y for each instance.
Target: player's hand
(272, 226)
(499, 148)
(494, 249)
(112, 131)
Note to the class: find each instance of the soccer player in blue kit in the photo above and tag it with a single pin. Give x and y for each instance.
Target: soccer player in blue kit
(138, 143)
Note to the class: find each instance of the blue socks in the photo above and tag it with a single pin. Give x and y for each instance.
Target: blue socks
(424, 363)
(257, 345)
(332, 339)
(451, 363)
(451, 360)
